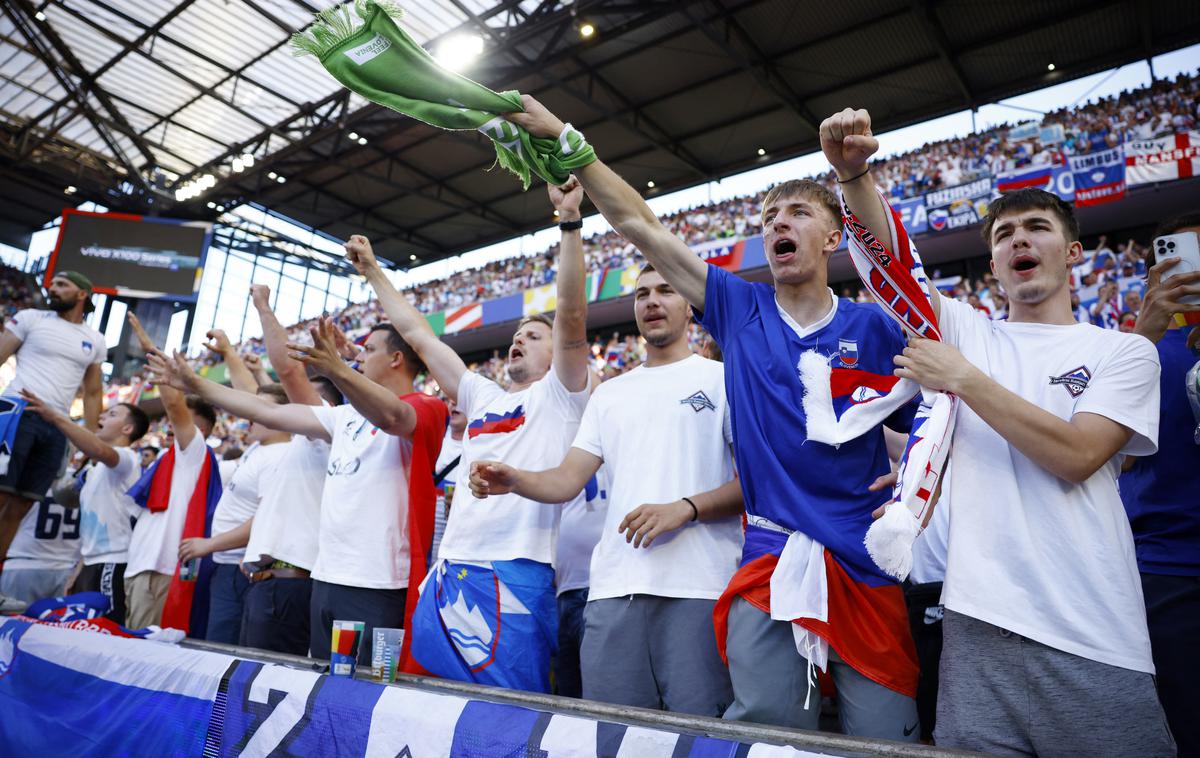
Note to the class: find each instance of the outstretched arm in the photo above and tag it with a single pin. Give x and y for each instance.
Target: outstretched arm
(570, 313)
(240, 376)
(443, 363)
(376, 403)
(298, 419)
(291, 373)
(174, 403)
(646, 523)
(627, 212)
(79, 436)
(848, 144)
(556, 485)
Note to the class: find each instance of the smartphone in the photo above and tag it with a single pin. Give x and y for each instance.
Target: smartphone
(1186, 247)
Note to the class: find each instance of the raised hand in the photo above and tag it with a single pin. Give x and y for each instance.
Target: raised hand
(536, 119)
(322, 354)
(648, 522)
(360, 254)
(566, 199)
(140, 332)
(220, 343)
(260, 296)
(173, 371)
(491, 478)
(847, 142)
(1161, 301)
(253, 362)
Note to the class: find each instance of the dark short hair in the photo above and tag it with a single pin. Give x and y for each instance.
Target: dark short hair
(273, 390)
(809, 190)
(232, 453)
(1030, 199)
(199, 407)
(139, 419)
(326, 389)
(396, 344)
(646, 269)
(537, 318)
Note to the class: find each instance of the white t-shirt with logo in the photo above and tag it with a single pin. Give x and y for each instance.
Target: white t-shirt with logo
(582, 524)
(47, 538)
(105, 509)
(664, 433)
(1030, 552)
(255, 473)
(531, 430)
(154, 545)
(364, 507)
(288, 520)
(53, 356)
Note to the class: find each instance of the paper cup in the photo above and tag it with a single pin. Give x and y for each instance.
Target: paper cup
(343, 652)
(385, 653)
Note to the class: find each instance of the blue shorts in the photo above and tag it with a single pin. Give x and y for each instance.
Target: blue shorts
(38, 452)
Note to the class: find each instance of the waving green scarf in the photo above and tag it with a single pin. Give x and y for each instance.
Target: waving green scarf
(379, 61)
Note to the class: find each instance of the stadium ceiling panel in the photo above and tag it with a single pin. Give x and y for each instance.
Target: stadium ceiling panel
(127, 101)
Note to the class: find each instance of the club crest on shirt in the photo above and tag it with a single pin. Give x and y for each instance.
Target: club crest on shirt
(1075, 381)
(699, 401)
(847, 354)
(87, 346)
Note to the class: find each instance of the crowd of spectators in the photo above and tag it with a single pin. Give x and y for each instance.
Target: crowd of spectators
(16, 293)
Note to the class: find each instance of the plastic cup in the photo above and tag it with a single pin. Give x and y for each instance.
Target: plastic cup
(385, 653)
(343, 652)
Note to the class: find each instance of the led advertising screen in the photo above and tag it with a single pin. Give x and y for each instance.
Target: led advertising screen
(134, 256)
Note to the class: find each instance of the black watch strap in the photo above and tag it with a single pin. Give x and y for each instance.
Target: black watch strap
(570, 226)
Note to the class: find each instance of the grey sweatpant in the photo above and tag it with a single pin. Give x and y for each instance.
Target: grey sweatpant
(1005, 694)
(654, 652)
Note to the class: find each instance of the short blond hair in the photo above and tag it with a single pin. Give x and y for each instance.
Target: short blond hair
(809, 190)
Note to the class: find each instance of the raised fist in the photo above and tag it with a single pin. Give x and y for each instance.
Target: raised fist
(847, 142)
(360, 254)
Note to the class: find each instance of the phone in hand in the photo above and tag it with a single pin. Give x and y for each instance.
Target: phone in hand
(1186, 247)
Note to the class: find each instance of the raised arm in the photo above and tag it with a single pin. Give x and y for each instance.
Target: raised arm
(848, 145)
(240, 376)
(627, 212)
(443, 363)
(556, 485)
(254, 364)
(291, 373)
(298, 419)
(93, 396)
(81, 437)
(570, 313)
(174, 403)
(376, 403)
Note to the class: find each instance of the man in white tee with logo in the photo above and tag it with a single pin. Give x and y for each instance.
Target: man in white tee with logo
(505, 545)
(56, 354)
(106, 510)
(672, 537)
(1046, 649)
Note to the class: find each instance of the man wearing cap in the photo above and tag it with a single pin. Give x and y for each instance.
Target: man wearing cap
(56, 352)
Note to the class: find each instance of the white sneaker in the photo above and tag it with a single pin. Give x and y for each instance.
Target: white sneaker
(10, 606)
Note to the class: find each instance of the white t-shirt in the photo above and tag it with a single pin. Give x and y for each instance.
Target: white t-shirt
(664, 433)
(156, 536)
(256, 473)
(53, 356)
(1028, 551)
(47, 538)
(106, 510)
(364, 507)
(532, 430)
(582, 523)
(451, 449)
(288, 520)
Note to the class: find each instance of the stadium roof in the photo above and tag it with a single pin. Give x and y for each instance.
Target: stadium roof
(124, 101)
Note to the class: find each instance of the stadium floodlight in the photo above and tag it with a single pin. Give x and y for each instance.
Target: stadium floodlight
(206, 181)
(650, 184)
(40, 16)
(353, 136)
(362, 140)
(1050, 67)
(211, 205)
(458, 51)
(70, 190)
(762, 151)
(247, 160)
(412, 257)
(587, 29)
(280, 179)
(180, 195)
(220, 209)
(272, 175)
(238, 166)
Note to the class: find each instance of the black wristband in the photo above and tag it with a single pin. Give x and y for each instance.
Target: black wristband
(695, 510)
(570, 226)
(866, 171)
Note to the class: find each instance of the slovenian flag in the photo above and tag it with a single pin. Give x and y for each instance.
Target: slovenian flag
(1038, 177)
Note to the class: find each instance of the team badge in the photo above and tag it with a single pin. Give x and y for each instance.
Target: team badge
(1075, 381)
(87, 346)
(699, 401)
(848, 353)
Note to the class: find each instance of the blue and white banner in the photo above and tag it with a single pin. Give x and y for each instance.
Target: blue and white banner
(1099, 177)
(68, 692)
(955, 207)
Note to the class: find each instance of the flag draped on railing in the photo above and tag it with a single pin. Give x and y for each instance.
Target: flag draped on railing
(893, 273)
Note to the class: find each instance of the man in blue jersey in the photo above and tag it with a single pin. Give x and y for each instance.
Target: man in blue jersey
(1159, 493)
(808, 504)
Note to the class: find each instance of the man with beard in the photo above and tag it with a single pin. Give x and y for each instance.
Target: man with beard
(497, 556)
(56, 352)
(672, 536)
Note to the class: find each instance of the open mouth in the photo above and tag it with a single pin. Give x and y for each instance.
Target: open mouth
(784, 247)
(515, 353)
(1024, 263)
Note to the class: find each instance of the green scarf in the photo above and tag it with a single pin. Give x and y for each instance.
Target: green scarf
(379, 61)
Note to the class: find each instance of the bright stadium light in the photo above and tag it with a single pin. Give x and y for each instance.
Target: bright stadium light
(271, 174)
(238, 166)
(650, 184)
(459, 51)
(1050, 67)
(247, 160)
(211, 205)
(412, 257)
(70, 190)
(353, 136)
(587, 29)
(280, 179)
(206, 181)
(362, 140)
(180, 195)
(40, 16)
(762, 151)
